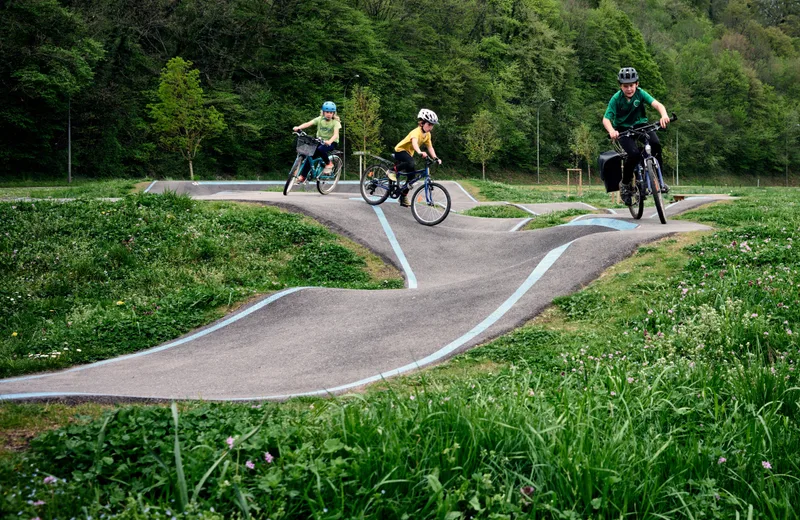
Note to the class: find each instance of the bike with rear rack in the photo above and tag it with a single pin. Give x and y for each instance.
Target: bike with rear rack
(430, 201)
(306, 146)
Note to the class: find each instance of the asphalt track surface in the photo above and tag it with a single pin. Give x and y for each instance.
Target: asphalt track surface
(468, 280)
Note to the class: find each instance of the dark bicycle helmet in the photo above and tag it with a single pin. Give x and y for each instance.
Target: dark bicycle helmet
(627, 75)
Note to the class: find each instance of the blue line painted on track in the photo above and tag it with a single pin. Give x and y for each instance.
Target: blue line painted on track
(518, 226)
(412, 280)
(151, 185)
(523, 208)
(537, 273)
(465, 191)
(200, 334)
(613, 223)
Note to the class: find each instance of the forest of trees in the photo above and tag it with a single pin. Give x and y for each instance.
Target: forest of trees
(729, 68)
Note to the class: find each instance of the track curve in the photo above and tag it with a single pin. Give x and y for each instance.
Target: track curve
(467, 280)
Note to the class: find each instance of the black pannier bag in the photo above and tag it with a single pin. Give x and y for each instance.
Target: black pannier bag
(609, 164)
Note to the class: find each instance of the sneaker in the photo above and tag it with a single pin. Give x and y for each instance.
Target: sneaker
(328, 169)
(404, 199)
(664, 188)
(392, 176)
(626, 193)
(301, 179)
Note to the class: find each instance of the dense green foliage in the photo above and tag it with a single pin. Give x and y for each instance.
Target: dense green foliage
(672, 392)
(87, 280)
(731, 67)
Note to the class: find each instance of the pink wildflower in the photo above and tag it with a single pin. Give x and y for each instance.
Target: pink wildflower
(766, 464)
(268, 457)
(39, 503)
(722, 460)
(229, 442)
(250, 464)
(50, 479)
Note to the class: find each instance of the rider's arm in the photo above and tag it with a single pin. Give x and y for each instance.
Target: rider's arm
(415, 144)
(663, 111)
(613, 134)
(305, 125)
(334, 137)
(432, 153)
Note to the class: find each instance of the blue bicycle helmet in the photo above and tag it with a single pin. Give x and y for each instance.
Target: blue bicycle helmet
(329, 106)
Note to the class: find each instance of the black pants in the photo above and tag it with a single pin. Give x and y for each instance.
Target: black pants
(634, 155)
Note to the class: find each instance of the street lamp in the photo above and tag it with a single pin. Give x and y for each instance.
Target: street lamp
(678, 155)
(789, 129)
(551, 100)
(344, 136)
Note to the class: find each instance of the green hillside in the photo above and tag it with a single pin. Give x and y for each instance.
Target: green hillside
(729, 68)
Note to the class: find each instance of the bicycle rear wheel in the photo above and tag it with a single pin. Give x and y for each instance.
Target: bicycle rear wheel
(637, 206)
(293, 174)
(652, 174)
(430, 206)
(328, 183)
(375, 185)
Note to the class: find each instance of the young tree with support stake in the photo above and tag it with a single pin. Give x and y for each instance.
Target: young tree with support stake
(180, 117)
(583, 146)
(482, 140)
(363, 120)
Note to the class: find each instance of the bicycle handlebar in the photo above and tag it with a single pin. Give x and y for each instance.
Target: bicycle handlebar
(646, 129)
(301, 133)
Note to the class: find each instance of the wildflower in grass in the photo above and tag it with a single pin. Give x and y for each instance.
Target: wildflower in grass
(527, 490)
(630, 380)
(722, 460)
(412, 397)
(613, 393)
(766, 464)
(42, 502)
(789, 332)
(14, 334)
(268, 457)
(50, 479)
(250, 464)
(649, 311)
(120, 302)
(229, 442)
(754, 315)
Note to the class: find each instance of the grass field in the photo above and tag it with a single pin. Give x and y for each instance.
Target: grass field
(666, 389)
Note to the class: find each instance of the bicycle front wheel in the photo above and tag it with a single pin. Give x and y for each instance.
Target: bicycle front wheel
(652, 174)
(327, 183)
(375, 185)
(637, 206)
(293, 174)
(430, 204)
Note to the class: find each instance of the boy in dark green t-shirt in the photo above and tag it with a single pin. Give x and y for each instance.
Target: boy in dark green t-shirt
(625, 110)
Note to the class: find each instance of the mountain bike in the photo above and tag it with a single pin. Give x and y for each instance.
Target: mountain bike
(430, 201)
(647, 173)
(306, 146)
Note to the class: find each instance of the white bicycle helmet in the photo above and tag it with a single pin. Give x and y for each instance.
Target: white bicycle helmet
(428, 116)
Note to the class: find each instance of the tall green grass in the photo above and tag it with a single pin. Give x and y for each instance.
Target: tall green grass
(667, 389)
(86, 280)
(79, 188)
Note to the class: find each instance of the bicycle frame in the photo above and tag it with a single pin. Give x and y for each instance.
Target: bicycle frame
(644, 134)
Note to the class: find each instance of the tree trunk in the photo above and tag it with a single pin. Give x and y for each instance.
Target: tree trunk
(191, 170)
(483, 167)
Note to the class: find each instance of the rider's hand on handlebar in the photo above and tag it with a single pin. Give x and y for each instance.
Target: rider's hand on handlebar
(295, 128)
(613, 135)
(437, 160)
(664, 121)
(424, 155)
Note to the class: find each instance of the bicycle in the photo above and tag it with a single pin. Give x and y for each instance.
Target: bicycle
(647, 173)
(306, 146)
(430, 202)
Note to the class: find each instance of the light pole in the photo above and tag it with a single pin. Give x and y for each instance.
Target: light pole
(788, 129)
(344, 136)
(69, 140)
(678, 155)
(551, 100)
